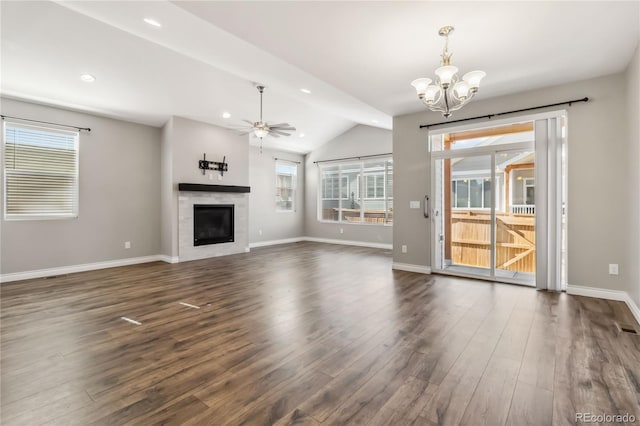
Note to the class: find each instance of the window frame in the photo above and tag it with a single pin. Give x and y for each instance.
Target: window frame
(361, 188)
(75, 214)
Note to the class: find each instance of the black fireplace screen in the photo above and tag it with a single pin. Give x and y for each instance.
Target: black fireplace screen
(212, 224)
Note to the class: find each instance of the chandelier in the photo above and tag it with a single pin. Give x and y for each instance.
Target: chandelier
(448, 93)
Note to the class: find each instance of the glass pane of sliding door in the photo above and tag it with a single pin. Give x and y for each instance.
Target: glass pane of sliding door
(464, 216)
(515, 218)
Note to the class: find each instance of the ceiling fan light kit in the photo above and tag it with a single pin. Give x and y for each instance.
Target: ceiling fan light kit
(448, 92)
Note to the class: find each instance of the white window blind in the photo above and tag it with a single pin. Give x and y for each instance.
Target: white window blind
(40, 172)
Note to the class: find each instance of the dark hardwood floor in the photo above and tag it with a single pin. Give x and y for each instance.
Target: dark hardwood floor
(307, 333)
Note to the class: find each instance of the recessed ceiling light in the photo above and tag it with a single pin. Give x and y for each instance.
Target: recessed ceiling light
(226, 115)
(374, 121)
(152, 22)
(301, 135)
(87, 78)
(307, 91)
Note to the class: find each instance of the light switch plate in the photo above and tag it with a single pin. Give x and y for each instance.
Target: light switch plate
(414, 204)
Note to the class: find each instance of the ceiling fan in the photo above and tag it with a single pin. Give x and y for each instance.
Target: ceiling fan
(261, 128)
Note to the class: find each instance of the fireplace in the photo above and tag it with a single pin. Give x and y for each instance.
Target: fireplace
(212, 224)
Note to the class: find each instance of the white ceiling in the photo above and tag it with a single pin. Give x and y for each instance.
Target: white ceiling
(357, 58)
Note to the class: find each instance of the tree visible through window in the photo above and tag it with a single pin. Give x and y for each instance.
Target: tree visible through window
(286, 177)
(41, 172)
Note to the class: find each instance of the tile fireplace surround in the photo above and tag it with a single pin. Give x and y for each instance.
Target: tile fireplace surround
(190, 194)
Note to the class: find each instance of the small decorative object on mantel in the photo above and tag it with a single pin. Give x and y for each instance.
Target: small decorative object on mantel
(205, 165)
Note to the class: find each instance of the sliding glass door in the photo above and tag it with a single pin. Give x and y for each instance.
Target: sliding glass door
(484, 212)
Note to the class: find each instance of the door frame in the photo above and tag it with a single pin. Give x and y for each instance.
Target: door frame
(491, 150)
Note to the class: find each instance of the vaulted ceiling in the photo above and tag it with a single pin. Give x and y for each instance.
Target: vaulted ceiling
(356, 58)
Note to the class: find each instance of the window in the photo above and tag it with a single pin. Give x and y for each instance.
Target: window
(40, 172)
(529, 191)
(357, 192)
(286, 179)
(473, 193)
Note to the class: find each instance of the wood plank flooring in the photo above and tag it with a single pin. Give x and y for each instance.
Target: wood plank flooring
(307, 334)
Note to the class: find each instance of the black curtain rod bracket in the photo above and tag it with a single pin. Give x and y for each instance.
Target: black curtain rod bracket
(490, 116)
(80, 129)
(353, 158)
(284, 159)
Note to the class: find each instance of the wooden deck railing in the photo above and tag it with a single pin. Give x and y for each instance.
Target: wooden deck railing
(353, 215)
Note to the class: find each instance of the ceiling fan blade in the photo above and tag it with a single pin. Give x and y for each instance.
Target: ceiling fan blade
(273, 134)
(250, 122)
(279, 125)
(276, 132)
(245, 133)
(289, 129)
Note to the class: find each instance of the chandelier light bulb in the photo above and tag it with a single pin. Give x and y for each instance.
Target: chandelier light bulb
(461, 89)
(473, 78)
(420, 85)
(431, 94)
(446, 73)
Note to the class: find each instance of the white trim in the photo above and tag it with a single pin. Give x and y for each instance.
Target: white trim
(40, 273)
(349, 242)
(602, 293)
(275, 242)
(484, 122)
(63, 270)
(168, 259)
(411, 268)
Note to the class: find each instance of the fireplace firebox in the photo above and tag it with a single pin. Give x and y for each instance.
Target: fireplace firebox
(212, 224)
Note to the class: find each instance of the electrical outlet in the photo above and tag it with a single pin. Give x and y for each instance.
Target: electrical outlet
(613, 269)
(210, 176)
(404, 249)
(127, 244)
(342, 230)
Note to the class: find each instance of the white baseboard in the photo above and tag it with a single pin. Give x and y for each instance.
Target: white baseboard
(411, 268)
(349, 243)
(41, 273)
(50, 272)
(168, 259)
(602, 293)
(275, 242)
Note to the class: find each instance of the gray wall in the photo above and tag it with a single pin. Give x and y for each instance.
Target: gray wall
(184, 141)
(119, 196)
(633, 117)
(262, 209)
(359, 140)
(599, 188)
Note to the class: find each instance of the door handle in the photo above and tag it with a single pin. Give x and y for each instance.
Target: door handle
(426, 206)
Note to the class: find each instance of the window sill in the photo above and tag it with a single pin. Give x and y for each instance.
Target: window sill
(39, 217)
(355, 223)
